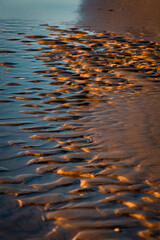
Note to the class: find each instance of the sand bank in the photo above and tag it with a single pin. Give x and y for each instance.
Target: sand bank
(139, 17)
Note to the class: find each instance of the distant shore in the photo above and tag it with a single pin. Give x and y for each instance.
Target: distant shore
(140, 18)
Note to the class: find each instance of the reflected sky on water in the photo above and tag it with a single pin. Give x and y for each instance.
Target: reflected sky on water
(45, 11)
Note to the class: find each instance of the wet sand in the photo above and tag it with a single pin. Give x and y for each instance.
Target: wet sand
(140, 18)
(77, 125)
(79, 134)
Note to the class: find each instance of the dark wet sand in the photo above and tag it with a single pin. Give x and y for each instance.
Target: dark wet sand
(138, 19)
(141, 18)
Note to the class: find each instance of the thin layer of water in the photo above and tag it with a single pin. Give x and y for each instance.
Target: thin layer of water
(79, 128)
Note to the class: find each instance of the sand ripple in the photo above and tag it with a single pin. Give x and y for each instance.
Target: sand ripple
(70, 153)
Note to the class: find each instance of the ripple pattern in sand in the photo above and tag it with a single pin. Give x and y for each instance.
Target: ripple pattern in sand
(66, 164)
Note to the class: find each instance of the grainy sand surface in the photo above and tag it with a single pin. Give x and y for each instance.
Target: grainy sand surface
(141, 18)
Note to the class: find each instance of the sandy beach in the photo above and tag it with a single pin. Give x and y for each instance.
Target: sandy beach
(141, 18)
(79, 124)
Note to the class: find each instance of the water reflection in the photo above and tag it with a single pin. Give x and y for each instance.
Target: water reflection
(79, 110)
(44, 11)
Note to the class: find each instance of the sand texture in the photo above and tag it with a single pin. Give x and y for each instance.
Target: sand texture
(140, 18)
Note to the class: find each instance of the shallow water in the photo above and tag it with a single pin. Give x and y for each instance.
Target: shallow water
(79, 134)
(42, 11)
